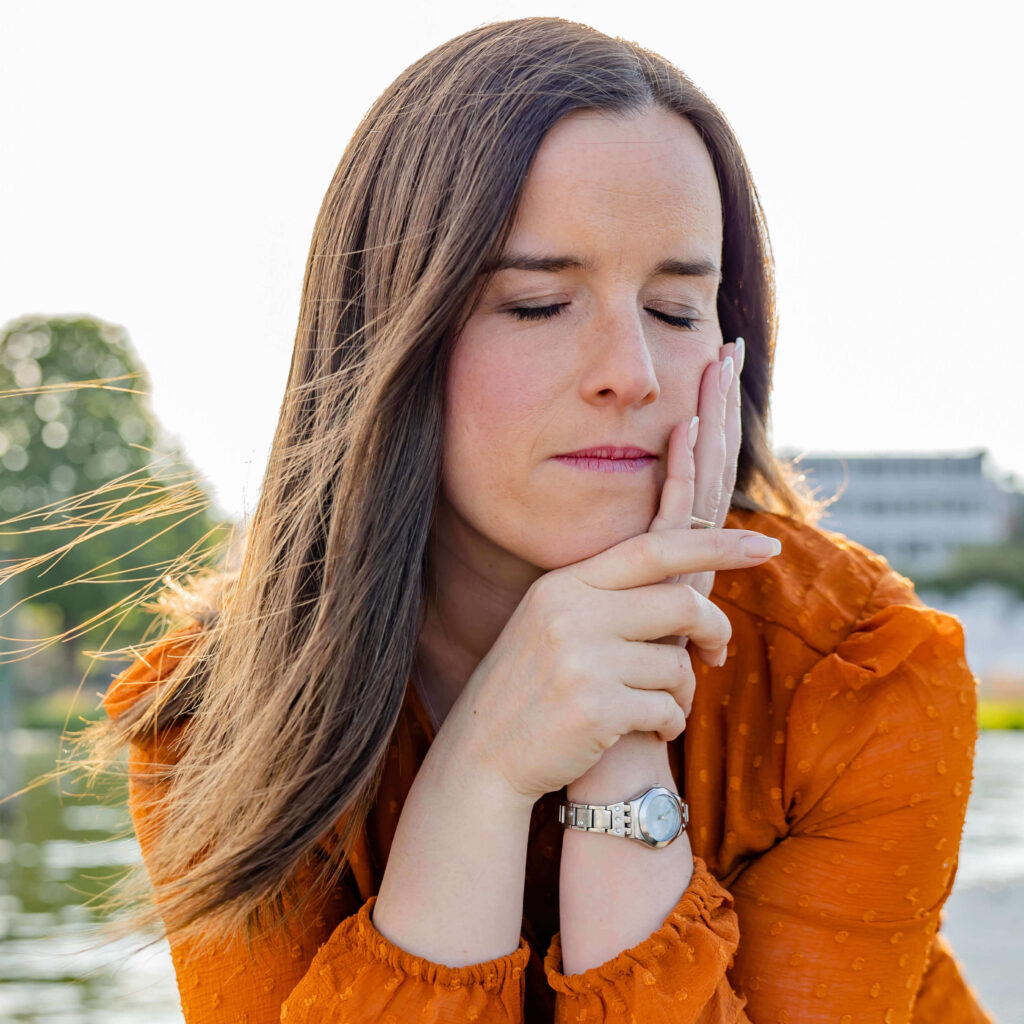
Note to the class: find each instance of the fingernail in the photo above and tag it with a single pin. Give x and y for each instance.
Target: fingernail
(725, 375)
(741, 351)
(691, 434)
(760, 547)
(724, 656)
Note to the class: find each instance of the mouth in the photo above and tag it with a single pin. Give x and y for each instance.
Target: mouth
(608, 452)
(608, 459)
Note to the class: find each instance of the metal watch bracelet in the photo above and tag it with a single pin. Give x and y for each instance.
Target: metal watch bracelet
(626, 818)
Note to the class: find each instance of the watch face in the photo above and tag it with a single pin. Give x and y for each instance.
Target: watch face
(662, 817)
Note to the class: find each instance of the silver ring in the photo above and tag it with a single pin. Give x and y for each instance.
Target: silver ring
(703, 524)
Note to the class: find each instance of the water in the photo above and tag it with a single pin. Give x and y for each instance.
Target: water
(60, 850)
(982, 917)
(992, 848)
(56, 851)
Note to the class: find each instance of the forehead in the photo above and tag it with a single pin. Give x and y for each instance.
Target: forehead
(611, 178)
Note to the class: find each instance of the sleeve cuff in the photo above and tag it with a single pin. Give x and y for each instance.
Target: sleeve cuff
(490, 975)
(701, 934)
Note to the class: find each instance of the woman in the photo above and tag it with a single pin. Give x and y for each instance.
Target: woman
(348, 770)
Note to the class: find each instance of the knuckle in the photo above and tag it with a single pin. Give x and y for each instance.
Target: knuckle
(648, 547)
(544, 591)
(682, 695)
(724, 624)
(685, 663)
(725, 547)
(688, 599)
(603, 727)
(556, 627)
(686, 703)
(671, 710)
(583, 712)
(572, 667)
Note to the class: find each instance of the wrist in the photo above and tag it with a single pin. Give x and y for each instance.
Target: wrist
(637, 761)
(466, 768)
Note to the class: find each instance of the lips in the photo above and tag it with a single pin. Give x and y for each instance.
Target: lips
(609, 452)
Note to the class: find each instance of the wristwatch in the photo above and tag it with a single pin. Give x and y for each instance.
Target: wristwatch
(655, 817)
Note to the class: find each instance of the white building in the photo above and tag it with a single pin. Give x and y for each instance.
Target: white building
(913, 509)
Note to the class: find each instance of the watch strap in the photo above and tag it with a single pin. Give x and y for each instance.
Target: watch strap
(619, 819)
(616, 819)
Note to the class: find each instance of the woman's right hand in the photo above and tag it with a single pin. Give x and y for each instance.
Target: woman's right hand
(574, 669)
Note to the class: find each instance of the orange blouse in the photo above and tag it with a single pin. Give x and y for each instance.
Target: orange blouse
(827, 766)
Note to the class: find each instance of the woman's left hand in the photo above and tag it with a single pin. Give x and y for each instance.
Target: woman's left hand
(701, 483)
(698, 482)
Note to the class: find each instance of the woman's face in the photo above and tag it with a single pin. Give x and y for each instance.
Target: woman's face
(615, 201)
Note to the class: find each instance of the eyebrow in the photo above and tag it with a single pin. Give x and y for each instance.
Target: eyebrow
(703, 266)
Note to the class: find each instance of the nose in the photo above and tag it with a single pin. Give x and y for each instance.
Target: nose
(616, 359)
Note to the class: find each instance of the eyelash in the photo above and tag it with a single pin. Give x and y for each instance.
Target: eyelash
(546, 312)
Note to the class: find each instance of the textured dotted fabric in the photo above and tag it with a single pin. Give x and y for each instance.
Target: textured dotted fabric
(827, 765)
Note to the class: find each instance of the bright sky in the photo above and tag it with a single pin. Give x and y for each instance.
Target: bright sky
(163, 167)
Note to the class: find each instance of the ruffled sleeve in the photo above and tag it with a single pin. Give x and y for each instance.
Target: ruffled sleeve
(358, 975)
(677, 974)
(839, 919)
(331, 965)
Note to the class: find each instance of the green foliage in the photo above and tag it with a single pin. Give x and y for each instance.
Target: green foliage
(91, 488)
(1001, 714)
(54, 439)
(980, 563)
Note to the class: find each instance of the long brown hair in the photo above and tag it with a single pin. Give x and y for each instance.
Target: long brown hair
(296, 683)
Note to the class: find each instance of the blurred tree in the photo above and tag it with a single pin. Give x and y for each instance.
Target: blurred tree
(972, 564)
(92, 489)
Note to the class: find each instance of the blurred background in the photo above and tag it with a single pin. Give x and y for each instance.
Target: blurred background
(163, 167)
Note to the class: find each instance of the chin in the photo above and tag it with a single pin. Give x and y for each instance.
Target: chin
(550, 548)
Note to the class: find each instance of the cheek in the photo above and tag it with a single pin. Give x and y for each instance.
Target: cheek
(498, 413)
(495, 409)
(680, 378)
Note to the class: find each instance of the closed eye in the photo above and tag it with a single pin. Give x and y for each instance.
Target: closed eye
(546, 312)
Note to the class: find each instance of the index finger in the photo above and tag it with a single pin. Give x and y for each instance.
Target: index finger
(649, 557)
(676, 505)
